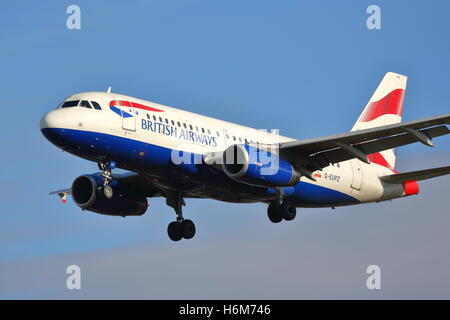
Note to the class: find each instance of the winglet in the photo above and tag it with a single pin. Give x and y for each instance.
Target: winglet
(62, 194)
(63, 197)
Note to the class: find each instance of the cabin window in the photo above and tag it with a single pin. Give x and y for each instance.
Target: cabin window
(218, 134)
(178, 123)
(85, 104)
(70, 104)
(209, 132)
(196, 128)
(96, 105)
(240, 140)
(203, 130)
(148, 116)
(154, 118)
(184, 125)
(190, 127)
(167, 121)
(173, 122)
(228, 137)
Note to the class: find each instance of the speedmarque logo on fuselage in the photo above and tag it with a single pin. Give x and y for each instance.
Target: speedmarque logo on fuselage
(158, 127)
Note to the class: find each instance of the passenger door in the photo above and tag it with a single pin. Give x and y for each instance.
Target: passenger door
(128, 115)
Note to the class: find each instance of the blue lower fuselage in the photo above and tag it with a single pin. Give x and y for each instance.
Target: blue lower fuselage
(199, 180)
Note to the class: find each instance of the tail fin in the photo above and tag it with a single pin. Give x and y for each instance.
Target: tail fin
(385, 107)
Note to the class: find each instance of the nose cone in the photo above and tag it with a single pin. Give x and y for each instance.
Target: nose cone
(54, 119)
(53, 125)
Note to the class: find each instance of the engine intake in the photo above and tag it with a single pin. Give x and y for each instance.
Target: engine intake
(87, 193)
(259, 167)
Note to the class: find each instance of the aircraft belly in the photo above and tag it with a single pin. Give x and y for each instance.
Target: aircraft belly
(205, 182)
(156, 161)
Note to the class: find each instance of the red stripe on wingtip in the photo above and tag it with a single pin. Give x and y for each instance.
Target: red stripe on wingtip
(133, 104)
(410, 188)
(392, 103)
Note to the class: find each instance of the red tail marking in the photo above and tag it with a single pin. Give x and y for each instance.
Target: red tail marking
(380, 160)
(392, 103)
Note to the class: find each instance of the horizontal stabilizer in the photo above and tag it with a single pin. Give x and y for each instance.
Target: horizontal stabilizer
(416, 175)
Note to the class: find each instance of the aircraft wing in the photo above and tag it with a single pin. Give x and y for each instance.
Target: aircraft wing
(314, 154)
(142, 184)
(132, 179)
(416, 175)
(138, 182)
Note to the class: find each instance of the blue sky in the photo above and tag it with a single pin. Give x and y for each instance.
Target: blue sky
(305, 67)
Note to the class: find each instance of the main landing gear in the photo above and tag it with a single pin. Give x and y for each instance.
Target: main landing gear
(106, 168)
(182, 228)
(279, 211)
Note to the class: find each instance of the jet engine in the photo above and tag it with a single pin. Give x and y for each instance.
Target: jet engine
(87, 193)
(258, 166)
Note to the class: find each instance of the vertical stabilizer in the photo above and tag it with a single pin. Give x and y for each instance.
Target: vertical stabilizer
(384, 107)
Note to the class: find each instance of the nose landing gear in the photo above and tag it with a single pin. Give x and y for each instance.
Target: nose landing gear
(106, 168)
(108, 192)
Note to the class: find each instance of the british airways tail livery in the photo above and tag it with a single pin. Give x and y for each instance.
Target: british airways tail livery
(177, 154)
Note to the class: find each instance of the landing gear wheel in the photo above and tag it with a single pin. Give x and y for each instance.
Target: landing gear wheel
(287, 210)
(187, 229)
(108, 192)
(173, 230)
(273, 213)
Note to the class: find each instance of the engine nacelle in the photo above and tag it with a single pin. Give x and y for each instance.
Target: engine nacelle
(259, 167)
(87, 193)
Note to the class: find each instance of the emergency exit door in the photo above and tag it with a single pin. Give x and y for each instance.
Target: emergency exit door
(357, 174)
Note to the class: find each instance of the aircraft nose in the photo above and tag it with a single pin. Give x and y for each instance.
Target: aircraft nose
(53, 119)
(53, 125)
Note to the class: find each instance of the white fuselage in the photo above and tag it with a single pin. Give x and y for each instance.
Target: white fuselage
(152, 124)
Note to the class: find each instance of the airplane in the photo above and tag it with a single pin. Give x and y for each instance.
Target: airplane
(175, 154)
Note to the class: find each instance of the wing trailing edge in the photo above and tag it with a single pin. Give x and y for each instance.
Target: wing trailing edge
(317, 153)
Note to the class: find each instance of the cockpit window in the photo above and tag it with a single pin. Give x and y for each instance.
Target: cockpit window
(85, 104)
(96, 105)
(70, 104)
